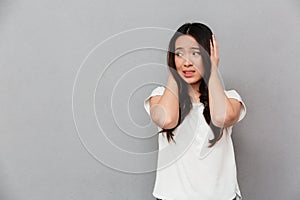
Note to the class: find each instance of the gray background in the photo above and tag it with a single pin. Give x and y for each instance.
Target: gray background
(42, 46)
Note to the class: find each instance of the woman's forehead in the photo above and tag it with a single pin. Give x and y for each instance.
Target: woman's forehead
(185, 42)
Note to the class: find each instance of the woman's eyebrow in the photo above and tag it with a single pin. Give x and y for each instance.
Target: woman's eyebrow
(197, 48)
(178, 48)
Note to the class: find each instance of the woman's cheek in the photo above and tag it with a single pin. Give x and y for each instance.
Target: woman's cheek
(176, 61)
(177, 64)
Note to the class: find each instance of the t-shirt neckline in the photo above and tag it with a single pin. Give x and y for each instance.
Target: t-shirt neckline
(197, 103)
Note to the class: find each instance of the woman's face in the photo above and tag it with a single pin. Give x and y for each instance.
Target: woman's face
(188, 59)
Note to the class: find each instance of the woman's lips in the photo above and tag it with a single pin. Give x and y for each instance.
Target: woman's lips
(188, 74)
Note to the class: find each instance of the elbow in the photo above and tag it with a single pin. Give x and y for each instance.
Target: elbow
(164, 121)
(170, 123)
(162, 118)
(221, 121)
(216, 122)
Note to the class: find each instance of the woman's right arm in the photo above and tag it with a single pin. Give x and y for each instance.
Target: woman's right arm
(164, 110)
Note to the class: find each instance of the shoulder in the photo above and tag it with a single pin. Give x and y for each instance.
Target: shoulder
(233, 94)
(159, 90)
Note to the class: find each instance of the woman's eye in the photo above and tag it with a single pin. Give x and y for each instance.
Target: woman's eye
(178, 54)
(196, 53)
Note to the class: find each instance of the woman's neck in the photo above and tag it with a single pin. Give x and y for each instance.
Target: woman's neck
(194, 92)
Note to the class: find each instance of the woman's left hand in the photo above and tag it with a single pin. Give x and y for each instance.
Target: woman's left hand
(214, 52)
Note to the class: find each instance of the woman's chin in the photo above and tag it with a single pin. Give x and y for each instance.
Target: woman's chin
(190, 81)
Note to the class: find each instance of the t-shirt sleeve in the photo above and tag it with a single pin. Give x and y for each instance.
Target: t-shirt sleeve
(235, 95)
(158, 91)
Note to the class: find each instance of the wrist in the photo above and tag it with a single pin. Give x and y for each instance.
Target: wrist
(213, 73)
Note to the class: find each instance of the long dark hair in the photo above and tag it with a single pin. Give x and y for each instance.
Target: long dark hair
(202, 34)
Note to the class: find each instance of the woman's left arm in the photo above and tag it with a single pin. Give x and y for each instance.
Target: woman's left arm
(224, 111)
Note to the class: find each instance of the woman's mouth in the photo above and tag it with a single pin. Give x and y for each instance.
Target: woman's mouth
(188, 73)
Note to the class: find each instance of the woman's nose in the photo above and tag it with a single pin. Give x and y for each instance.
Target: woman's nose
(187, 62)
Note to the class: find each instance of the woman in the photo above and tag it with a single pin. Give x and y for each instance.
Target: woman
(195, 115)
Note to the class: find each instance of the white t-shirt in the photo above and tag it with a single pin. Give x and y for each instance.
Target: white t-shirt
(188, 169)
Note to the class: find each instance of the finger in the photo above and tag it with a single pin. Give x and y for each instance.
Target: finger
(216, 46)
(212, 52)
